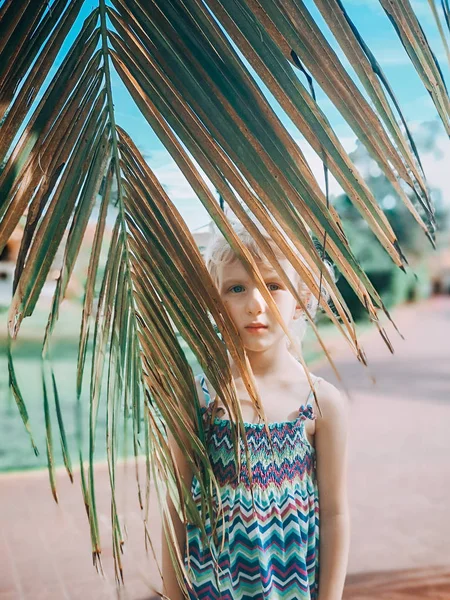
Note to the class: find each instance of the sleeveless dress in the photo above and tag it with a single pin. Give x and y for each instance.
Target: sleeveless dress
(271, 548)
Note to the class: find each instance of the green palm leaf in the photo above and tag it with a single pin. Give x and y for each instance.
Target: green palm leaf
(179, 64)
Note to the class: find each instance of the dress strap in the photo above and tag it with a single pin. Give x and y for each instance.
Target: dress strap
(316, 381)
(202, 381)
(307, 410)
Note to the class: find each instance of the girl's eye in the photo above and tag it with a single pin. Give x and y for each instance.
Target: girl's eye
(234, 287)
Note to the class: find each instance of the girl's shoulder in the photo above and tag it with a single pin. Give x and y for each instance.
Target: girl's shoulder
(333, 404)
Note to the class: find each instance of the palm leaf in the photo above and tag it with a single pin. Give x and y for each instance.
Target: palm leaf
(446, 10)
(369, 70)
(422, 57)
(437, 19)
(63, 151)
(292, 34)
(49, 438)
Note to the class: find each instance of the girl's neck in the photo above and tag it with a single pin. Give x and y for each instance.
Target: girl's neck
(269, 364)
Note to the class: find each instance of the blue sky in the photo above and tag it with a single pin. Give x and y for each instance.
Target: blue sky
(380, 36)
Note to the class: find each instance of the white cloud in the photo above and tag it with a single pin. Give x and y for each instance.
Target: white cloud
(397, 56)
(436, 167)
(178, 189)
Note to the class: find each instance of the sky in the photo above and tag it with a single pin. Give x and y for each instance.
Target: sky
(380, 36)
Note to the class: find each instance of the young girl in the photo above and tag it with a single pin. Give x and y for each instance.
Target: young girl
(272, 546)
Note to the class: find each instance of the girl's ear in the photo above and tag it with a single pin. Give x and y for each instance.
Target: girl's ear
(298, 312)
(298, 309)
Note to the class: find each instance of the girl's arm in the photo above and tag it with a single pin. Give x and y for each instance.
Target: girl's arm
(331, 455)
(170, 585)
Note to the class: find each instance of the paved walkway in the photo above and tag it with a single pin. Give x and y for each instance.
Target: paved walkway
(399, 487)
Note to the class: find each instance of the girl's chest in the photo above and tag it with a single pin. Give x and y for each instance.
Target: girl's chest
(278, 408)
(279, 455)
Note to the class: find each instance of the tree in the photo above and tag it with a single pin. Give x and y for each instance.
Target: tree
(178, 62)
(365, 246)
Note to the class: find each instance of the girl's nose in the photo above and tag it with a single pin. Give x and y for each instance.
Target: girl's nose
(256, 302)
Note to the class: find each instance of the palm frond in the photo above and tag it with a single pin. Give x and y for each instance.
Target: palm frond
(422, 57)
(437, 19)
(63, 151)
(370, 74)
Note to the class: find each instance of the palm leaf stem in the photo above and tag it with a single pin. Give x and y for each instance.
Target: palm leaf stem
(13, 383)
(91, 279)
(48, 436)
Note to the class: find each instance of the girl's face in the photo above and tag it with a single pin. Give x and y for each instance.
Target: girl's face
(257, 324)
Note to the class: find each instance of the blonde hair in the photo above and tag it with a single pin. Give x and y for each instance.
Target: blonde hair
(218, 253)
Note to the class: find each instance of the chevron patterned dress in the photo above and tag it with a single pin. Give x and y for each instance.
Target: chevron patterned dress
(270, 549)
